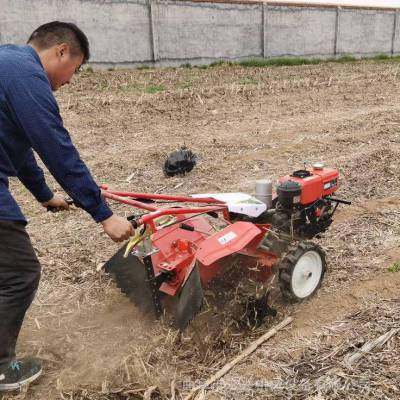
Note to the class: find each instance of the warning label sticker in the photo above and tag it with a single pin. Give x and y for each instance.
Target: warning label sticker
(227, 238)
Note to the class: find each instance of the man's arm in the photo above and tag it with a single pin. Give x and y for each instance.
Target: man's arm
(35, 111)
(31, 175)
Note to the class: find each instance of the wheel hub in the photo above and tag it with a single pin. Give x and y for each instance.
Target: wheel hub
(307, 274)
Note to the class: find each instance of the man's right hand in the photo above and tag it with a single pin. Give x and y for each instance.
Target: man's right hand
(118, 228)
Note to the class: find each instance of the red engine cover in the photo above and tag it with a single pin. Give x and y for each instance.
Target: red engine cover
(321, 182)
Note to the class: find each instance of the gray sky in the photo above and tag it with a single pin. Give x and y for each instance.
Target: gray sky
(374, 3)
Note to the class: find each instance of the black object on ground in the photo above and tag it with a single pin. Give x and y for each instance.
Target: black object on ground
(180, 162)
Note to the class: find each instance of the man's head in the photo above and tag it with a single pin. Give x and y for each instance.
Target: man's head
(62, 48)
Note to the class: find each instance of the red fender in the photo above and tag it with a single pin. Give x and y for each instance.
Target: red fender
(232, 239)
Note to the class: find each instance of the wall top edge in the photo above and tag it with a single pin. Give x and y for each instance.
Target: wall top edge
(299, 4)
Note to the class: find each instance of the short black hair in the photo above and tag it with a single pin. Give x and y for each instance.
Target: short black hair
(57, 32)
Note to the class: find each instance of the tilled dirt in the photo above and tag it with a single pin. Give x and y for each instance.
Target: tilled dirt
(244, 124)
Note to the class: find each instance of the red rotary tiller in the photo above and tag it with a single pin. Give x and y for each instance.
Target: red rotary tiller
(177, 251)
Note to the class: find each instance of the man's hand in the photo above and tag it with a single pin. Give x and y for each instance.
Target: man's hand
(118, 228)
(57, 203)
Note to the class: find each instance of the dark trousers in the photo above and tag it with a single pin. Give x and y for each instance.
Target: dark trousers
(19, 279)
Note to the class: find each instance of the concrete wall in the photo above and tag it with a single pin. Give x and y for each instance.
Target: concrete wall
(165, 32)
(118, 31)
(364, 32)
(299, 31)
(187, 30)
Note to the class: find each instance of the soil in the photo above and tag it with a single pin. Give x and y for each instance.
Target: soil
(244, 124)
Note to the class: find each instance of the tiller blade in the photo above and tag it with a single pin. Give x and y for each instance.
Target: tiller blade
(136, 279)
(190, 299)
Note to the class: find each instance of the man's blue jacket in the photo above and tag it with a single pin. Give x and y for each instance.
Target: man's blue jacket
(30, 119)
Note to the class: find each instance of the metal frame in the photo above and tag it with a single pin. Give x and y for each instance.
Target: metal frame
(131, 198)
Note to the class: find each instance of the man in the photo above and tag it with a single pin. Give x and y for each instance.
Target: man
(30, 120)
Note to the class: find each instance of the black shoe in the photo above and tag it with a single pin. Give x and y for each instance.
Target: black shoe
(19, 373)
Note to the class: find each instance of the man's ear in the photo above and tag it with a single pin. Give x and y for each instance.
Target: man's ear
(62, 49)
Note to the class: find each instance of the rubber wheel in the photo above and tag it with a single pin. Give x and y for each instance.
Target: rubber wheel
(301, 271)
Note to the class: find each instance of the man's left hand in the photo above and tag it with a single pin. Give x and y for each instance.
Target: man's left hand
(57, 203)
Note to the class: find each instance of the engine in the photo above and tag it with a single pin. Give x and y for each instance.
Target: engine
(303, 204)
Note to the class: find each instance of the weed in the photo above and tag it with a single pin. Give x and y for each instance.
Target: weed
(381, 57)
(395, 267)
(288, 61)
(154, 88)
(132, 87)
(137, 87)
(141, 67)
(248, 80)
(280, 61)
(187, 65)
(217, 63)
(102, 85)
(386, 57)
(343, 59)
